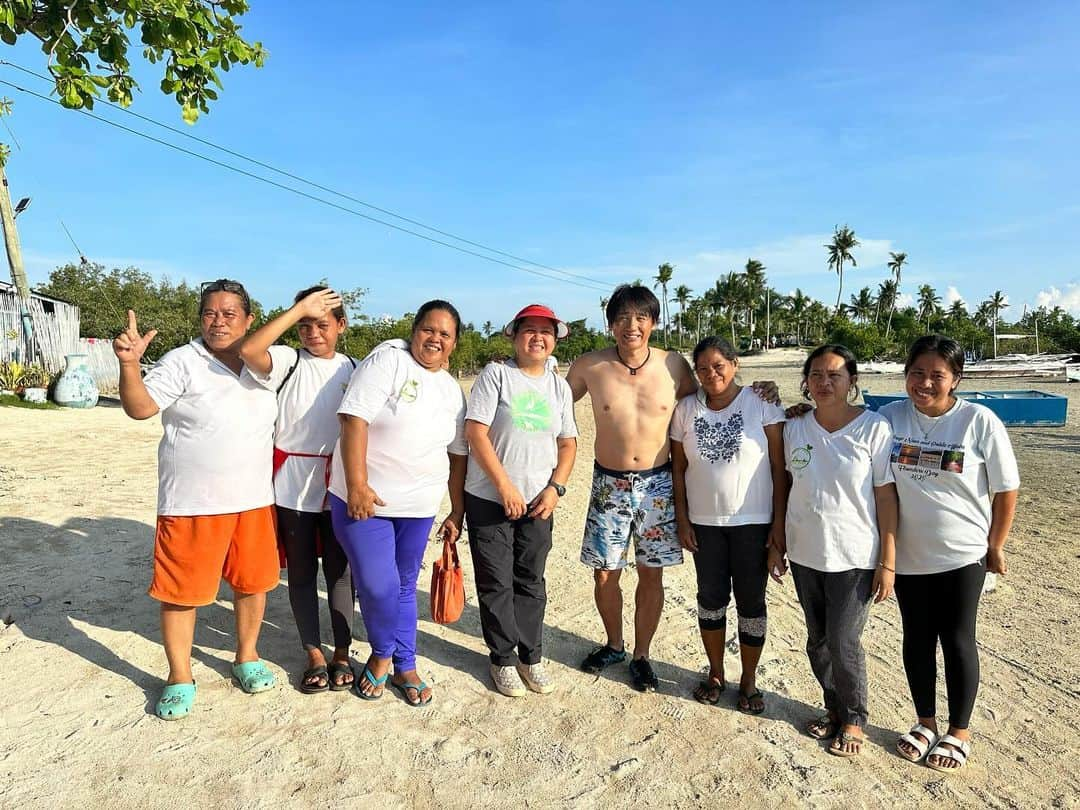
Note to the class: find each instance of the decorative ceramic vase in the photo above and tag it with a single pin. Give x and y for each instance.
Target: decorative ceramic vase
(76, 387)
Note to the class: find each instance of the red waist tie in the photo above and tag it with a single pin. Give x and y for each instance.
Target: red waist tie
(279, 459)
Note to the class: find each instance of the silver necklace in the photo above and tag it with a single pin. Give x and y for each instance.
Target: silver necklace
(922, 426)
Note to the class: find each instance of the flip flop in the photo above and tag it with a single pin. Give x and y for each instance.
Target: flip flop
(254, 676)
(746, 707)
(404, 688)
(843, 739)
(310, 681)
(823, 727)
(341, 668)
(176, 701)
(701, 693)
(371, 679)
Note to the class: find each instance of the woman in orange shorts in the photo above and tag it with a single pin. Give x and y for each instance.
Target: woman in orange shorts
(215, 496)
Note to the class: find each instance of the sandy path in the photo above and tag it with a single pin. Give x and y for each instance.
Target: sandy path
(81, 664)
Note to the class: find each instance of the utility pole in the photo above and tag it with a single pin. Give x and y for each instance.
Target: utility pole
(768, 317)
(14, 255)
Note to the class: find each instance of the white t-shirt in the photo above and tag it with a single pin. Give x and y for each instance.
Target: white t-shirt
(832, 515)
(307, 421)
(415, 417)
(947, 470)
(526, 416)
(215, 455)
(728, 475)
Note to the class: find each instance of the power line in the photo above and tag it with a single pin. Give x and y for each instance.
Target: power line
(314, 198)
(319, 186)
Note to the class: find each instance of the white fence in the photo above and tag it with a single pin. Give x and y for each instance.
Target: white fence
(56, 330)
(56, 334)
(102, 363)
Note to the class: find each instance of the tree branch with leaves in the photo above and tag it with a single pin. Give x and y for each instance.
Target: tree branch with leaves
(86, 43)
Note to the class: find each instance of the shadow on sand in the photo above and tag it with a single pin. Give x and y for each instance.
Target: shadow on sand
(115, 557)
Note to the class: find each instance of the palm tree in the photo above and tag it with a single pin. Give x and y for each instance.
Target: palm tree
(958, 310)
(603, 313)
(862, 305)
(886, 299)
(994, 304)
(663, 275)
(929, 303)
(895, 263)
(753, 287)
(840, 252)
(682, 297)
(799, 304)
(488, 329)
(817, 316)
(729, 294)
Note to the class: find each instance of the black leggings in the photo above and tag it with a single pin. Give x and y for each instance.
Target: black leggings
(942, 607)
(297, 532)
(732, 558)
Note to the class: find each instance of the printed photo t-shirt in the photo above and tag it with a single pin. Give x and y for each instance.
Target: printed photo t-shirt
(832, 515)
(415, 417)
(728, 476)
(947, 469)
(307, 421)
(525, 417)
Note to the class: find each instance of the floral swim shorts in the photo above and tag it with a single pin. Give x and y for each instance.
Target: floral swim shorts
(634, 504)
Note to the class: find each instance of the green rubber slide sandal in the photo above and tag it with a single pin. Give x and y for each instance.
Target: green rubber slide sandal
(176, 701)
(254, 676)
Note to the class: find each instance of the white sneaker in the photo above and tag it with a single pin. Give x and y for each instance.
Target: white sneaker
(508, 683)
(536, 677)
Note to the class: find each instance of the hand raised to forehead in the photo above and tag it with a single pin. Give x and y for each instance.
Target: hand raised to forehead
(319, 304)
(129, 345)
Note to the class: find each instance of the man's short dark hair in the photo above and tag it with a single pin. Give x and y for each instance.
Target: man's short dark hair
(632, 298)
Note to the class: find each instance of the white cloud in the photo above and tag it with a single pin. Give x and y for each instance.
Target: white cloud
(952, 295)
(904, 300)
(1068, 299)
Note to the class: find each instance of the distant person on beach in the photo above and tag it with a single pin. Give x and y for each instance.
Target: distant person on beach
(840, 536)
(309, 383)
(953, 527)
(215, 496)
(402, 445)
(730, 486)
(522, 442)
(634, 388)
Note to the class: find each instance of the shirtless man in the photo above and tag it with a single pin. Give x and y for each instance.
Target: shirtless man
(634, 388)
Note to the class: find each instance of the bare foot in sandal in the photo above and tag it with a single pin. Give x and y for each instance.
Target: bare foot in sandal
(415, 691)
(709, 690)
(823, 727)
(848, 743)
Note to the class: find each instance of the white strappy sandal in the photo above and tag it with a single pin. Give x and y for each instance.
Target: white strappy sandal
(930, 739)
(959, 753)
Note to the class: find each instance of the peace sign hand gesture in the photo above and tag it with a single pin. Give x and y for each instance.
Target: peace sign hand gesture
(129, 344)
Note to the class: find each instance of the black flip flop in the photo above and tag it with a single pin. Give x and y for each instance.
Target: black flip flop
(703, 689)
(340, 668)
(749, 709)
(316, 687)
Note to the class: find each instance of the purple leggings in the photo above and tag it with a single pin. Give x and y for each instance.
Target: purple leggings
(385, 555)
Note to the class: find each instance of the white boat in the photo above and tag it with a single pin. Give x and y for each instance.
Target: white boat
(881, 367)
(1019, 365)
(1072, 372)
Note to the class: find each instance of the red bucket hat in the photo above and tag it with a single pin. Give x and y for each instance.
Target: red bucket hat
(538, 311)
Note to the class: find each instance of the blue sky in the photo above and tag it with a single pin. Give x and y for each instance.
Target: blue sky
(601, 140)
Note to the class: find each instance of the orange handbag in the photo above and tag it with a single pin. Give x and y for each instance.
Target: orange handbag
(447, 586)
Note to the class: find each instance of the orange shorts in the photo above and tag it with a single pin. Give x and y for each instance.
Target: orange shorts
(192, 554)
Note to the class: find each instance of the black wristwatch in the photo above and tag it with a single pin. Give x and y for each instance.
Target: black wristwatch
(560, 490)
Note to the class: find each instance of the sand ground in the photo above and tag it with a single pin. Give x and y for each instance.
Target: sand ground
(81, 666)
